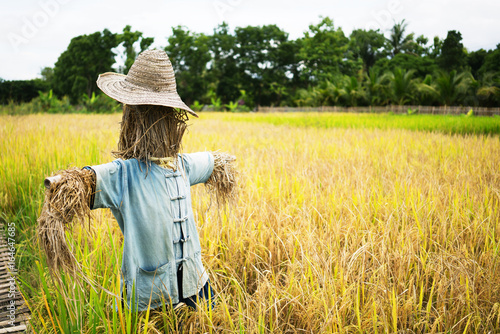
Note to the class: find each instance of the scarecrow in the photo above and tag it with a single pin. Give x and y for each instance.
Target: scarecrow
(147, 189)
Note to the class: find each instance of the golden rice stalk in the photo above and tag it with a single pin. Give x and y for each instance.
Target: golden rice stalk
(66, 202)
(222, 183)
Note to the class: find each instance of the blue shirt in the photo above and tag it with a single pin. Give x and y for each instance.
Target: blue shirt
(154, 212)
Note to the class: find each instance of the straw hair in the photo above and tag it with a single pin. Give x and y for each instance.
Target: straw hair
(150, 131)
(66, 202)
(150, 80)
(222, 184)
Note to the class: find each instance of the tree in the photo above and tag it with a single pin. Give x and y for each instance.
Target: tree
(223, 71)
(290, 66)
(408, 61)
(420, 46)
(402, 86)
(21, 90)
(435, 49)
(189, 53)
(453, 56)
(475, 60)
(427, 93)
(263, 61)
(488, 90)
(352, 91)
(77, 68)
(397, 40)
(367, 45)
(47, 74)
(451, 87)
(322, 52)
(128, 38)
(374, 87)
(326, 93)
(492, 61)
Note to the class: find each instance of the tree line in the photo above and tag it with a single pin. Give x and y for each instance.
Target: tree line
(260, 65)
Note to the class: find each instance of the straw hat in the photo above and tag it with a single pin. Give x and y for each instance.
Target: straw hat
(150, 80)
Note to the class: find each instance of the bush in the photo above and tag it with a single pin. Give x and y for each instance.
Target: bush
(19, 91)
(99, 104)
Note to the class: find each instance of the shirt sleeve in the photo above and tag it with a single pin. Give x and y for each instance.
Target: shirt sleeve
(199, 166)
(110, 180)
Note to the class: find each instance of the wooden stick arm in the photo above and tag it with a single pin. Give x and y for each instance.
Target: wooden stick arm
(68, 200)
(51, 180)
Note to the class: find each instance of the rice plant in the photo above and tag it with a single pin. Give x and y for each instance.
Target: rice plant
(349, 229)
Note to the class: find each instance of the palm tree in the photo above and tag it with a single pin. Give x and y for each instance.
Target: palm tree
(427, 94)
(451, 87)
(307, 97)
(398, 41)
(352, 91)
(374, 88)
(316, 96)
(330, 92)
(402, 86)
(488, 90)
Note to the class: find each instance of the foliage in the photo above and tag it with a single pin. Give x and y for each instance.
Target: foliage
(232, 106)
(420, 47)
(398, 41)
(435, 51)
(376, 91)
(18, 91)
(407, 61)
(77, 68)
(453, 56)
(128, 39)
(224, 70)
(262, 57)
(47, 74)
(488, 89)
(322, 50)
(367, 45)
(475, 61)
(412, 112)
(196, 106)
(323, 67)
(402, 86)
(216, 103)
(492, 61)
(99, 104)
(49, 103)
(451, 86)
(189, 54)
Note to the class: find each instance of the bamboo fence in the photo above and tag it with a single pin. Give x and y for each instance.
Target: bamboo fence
(397, 109)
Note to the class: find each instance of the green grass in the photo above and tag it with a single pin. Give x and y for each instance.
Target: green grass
(431, 123)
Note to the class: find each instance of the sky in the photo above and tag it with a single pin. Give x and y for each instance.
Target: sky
(33, 33)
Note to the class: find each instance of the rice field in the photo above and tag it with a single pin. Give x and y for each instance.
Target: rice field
(348, 227)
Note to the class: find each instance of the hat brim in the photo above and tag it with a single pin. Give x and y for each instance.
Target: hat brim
(115, 86)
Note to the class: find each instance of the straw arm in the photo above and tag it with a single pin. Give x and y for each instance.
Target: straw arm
(222, 184)
(68, 199)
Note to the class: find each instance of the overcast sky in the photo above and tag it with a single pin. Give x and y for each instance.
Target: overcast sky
(35, 32)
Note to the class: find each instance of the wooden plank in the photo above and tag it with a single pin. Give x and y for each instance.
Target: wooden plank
(17, 320)
(16, 302)
(15, 329)
(8, 299)
(23, 310)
